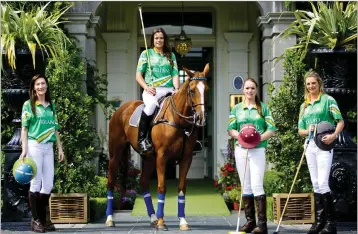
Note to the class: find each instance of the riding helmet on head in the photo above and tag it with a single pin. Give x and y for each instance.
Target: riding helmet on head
(322, 129)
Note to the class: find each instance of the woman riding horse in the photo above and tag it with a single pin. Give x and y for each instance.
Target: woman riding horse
(177, 123)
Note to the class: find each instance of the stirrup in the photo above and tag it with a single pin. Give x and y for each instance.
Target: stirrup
(145, 146)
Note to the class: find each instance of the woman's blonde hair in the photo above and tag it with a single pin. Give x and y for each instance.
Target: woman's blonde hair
(319, 81)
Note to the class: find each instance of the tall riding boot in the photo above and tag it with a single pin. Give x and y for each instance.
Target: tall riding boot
(249, 205)
(318, 225)
(262, 218)
(143, 143)
(330, 226)
(45, 213)
(34, 202)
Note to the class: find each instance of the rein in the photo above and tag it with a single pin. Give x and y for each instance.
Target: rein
(191, 119)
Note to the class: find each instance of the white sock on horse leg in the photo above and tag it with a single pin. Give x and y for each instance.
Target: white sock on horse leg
(182, 221)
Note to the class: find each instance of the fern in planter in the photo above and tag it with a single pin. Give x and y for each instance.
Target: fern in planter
(33, 30)
(329, 25)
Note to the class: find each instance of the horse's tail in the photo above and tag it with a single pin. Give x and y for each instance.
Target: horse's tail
(123, 167)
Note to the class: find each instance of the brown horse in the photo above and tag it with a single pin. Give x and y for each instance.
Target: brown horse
(173, 136)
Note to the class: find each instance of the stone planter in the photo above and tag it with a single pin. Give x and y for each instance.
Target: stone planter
(338, 69)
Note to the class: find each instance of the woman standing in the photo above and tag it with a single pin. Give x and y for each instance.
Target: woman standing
(157, 77)
(320, 107)
(39, 132)
(252, 111)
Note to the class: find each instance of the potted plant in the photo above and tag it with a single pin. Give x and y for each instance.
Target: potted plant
(31, 31)
(330, 25)
(234, 195)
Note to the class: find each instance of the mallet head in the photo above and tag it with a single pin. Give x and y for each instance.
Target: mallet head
(276, 232)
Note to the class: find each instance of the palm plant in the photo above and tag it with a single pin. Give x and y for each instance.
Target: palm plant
(329, 25)
(36, 30)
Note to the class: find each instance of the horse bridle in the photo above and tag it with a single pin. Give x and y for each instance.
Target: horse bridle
(191, 119)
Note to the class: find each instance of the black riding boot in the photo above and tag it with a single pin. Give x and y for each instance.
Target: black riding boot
(249, 205)
(34, 202)
(330, 226)
(318, 225)
(45, 213)
(262, 218)
(144, 145)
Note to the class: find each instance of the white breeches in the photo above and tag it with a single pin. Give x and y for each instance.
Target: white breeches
(151, 101)
(319, 164)
(42, 154)
(255, 169)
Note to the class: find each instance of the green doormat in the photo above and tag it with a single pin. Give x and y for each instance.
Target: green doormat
(201, 199)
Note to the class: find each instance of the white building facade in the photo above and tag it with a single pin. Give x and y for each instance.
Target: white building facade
(240, 43)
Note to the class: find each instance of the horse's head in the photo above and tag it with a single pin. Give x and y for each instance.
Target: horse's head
(197, 94)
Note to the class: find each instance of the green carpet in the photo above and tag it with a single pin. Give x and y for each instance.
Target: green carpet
(201, 199)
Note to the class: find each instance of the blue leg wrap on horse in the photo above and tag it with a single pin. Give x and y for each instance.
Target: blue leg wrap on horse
(109, 210)
(181, 206)
(160, 209)
(148, 203)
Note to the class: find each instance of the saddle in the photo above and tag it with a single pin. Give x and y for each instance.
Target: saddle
(135, 118)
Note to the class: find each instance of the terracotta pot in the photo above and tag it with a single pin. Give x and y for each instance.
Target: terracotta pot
(236, 205)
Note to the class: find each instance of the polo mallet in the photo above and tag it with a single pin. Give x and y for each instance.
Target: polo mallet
(310, 135)
(242, 192)
(146, 47)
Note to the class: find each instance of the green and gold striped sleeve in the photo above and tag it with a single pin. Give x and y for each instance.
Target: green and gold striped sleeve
(232, 124)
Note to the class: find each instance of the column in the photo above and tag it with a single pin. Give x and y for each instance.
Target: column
(272, 25)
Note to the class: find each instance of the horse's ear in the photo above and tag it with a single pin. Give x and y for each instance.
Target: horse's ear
(206, 69)
(190, 74)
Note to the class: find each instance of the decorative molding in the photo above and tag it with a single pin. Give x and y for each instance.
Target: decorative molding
(238, 41)
(274, 23)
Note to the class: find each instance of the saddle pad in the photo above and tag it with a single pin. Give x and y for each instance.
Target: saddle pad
(134, 120)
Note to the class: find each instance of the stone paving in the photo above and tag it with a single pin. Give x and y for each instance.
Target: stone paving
(125, 223)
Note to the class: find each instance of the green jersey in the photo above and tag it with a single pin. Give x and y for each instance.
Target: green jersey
(323, 109)
(162, 71)
(241, 114)
(41, 127)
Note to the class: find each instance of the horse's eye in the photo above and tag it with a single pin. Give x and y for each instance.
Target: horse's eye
(192, 92)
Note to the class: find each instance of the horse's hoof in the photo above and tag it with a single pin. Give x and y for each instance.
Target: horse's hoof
(162, 227)
(154, 224)
(184, 227)
(110, 224)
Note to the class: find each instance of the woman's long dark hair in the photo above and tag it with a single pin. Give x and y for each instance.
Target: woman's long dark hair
(257, 99)
(32, 92)
(166, 48)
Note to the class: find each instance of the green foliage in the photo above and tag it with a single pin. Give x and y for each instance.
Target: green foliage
(273, 182)
(7, 127)
(234, 195)
(329, 25)
(286, 147)
(269, 208)
(98, 206)
(28, 6)
(74, 108)
(36, 30)
(99, 187)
